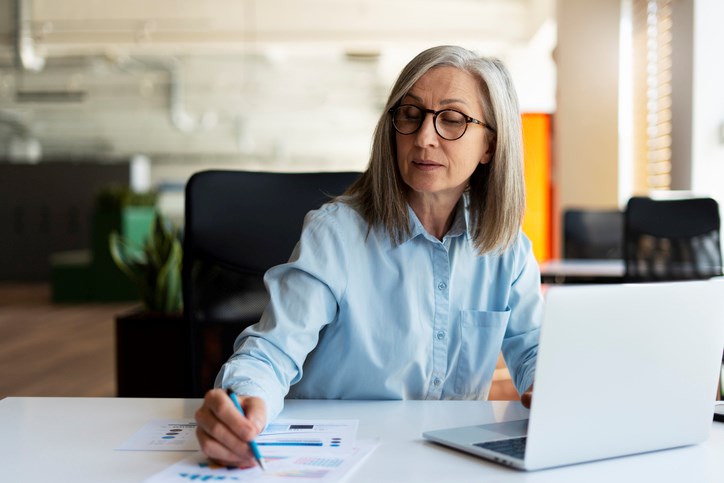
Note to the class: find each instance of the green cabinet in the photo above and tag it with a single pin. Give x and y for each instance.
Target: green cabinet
(93, 276)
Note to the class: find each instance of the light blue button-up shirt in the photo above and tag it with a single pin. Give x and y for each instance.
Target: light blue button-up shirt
(355, 316)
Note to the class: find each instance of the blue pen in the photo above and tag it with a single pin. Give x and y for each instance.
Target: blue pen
(252, 443)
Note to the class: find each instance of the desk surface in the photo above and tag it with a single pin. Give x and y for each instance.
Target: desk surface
(73, 439)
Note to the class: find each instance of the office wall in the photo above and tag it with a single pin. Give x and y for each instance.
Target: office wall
(698, 98)
(682, 50)
(585, 132)
(707, 128)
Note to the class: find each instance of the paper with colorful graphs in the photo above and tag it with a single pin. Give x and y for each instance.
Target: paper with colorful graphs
(292, 450)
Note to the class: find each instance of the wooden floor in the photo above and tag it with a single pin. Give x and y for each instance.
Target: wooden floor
(55, 350)
(68, 350)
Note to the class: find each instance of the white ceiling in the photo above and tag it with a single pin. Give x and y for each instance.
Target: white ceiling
(193, 77)
(70, 27)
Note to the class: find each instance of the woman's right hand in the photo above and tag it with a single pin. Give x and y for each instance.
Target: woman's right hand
(222, 431)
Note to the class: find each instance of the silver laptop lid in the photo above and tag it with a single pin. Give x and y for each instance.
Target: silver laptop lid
(625, 369)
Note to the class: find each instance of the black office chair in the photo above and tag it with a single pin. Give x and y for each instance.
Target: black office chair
(672, 239)
(237, 225)
(592, 234)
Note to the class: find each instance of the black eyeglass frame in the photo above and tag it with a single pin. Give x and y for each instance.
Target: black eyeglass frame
(434, 113)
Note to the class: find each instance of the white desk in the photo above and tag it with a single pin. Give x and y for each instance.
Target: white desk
(575, 270)
(73, 439)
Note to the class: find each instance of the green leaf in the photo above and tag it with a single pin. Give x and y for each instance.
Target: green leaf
(155, 269)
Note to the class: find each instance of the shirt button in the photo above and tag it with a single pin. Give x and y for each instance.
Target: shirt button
(436, 382)
(441, 286)
(440, 335)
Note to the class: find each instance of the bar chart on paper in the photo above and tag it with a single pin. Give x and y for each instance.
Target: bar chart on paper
(330, 434)
(164, 435)
(301, 451)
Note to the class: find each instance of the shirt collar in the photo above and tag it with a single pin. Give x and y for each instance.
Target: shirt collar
(459, 225)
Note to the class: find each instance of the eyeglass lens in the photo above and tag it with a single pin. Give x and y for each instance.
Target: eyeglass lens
(449, 124)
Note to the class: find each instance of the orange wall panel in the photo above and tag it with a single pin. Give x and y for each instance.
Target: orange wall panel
(537, 162)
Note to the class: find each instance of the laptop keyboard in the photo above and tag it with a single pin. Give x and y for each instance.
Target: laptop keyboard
(514, 447)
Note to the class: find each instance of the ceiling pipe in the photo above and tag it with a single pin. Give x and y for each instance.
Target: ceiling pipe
(180, 117)
(25, 51)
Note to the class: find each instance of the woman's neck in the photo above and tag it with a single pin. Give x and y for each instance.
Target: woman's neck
(435, 213)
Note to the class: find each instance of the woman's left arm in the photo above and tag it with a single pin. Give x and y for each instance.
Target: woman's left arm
(520, 344)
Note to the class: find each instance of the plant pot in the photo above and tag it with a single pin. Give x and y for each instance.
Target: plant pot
(153, 355)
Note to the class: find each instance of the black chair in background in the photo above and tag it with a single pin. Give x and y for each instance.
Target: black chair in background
(237, 225)
(592, 234)
(672, 239)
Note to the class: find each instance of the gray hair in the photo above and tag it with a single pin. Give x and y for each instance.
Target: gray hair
(496, 189)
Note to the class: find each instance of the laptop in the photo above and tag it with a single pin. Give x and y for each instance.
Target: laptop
(622, 369)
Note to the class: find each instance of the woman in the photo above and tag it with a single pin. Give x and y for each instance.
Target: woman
(410, 285)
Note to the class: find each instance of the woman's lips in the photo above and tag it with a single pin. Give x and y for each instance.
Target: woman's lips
(426, 165)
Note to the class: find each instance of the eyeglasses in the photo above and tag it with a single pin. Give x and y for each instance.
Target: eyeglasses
(449, 123)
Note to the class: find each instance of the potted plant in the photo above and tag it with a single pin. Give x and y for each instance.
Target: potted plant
(152, 343)
(118, 209)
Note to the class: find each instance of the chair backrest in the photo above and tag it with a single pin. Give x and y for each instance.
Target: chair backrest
(238, 224)
(672, 239)
(590, 233)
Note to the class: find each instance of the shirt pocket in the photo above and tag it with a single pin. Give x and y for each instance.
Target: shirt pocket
(481, 338)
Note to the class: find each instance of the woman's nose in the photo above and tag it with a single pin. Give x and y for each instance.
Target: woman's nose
(426, 135)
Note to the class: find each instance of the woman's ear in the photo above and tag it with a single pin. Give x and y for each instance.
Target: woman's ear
(488, 155)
